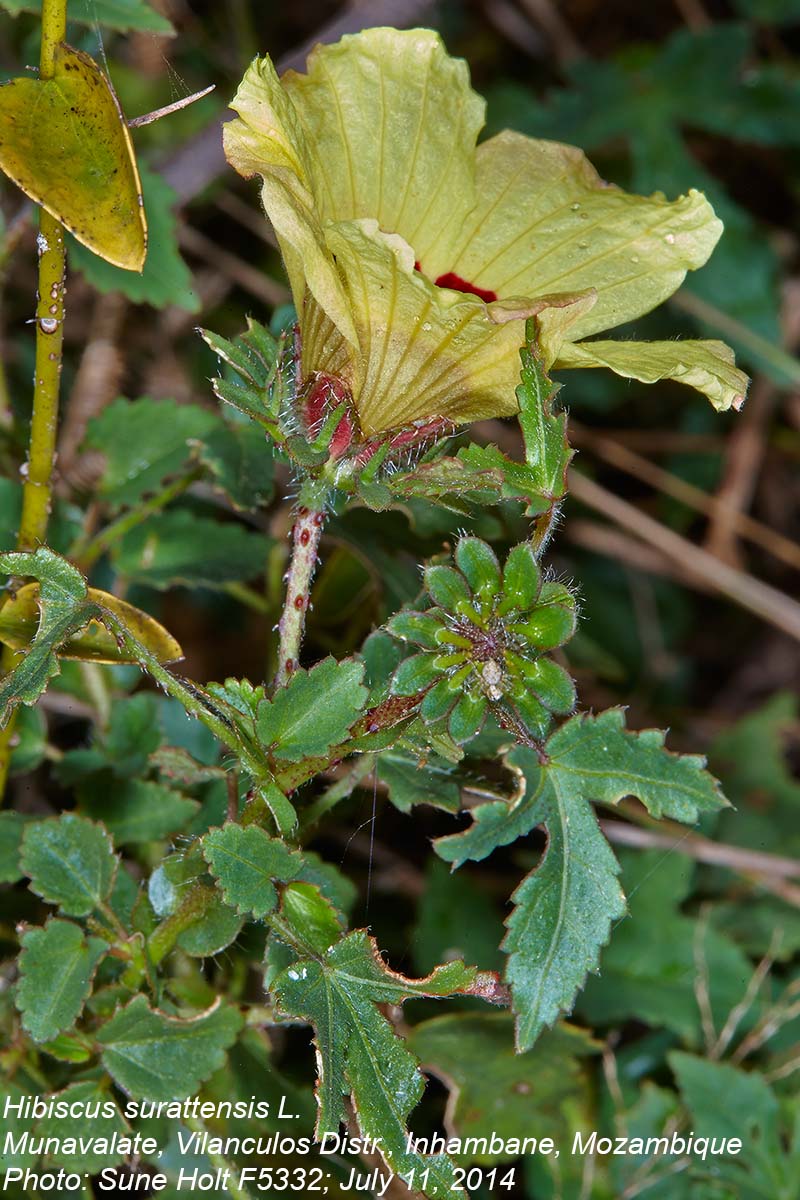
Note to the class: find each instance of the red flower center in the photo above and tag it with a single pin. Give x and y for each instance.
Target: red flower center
(457, 284)
(451, 280)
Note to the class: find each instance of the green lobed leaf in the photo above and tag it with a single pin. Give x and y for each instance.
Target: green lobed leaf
(246, 862)
(56, 967)
(179, 547)
(136, 810)
(564, 909)
(411, 781)
(314, 711)
(132, 733)
(727, 1102)
(93, 641)
(338, 990)
(122, 15)
(154, 1056)
(88, 1097)
(70, 862)
(63, 610)
(496, 1091)
(165, 278)
(456, 918)
(607, 762)
(241, 464)
(544, 431)
(563, 912)
(653, 978)
(144, 442)
(215, 928)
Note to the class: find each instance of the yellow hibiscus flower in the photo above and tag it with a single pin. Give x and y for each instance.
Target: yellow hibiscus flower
(415, 255)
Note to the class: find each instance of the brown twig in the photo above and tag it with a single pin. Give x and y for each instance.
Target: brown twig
(725, 508)
(694, 15)
(743, 589)
(545, 14)
(744, 455)
(604, 539)
(759, 865)
(515, 27)
(251, 279)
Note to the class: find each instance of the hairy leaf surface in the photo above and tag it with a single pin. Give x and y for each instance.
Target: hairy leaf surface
(56, 968)
(313, 711)
(154, 1056)
(563, 910)
(70, 862)
(337, 987)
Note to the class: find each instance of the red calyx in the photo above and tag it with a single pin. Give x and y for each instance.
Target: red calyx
(325, 393)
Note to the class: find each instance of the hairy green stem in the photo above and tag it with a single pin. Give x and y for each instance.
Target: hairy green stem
(38, 486)
(305, 546)
(178, 689)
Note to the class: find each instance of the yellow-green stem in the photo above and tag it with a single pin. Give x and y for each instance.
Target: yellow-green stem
(38, 475)
(54, 28)
(37, 486)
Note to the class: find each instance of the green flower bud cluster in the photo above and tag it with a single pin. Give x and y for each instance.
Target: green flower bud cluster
(484, 642)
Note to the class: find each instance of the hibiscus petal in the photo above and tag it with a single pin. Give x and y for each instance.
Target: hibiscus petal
(546, 222)
(393, 122)
(704, 365)
(268, 140)
(422, 350)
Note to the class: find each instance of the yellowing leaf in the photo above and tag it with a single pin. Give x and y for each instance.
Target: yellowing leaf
(19, 620)
(65, 142)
